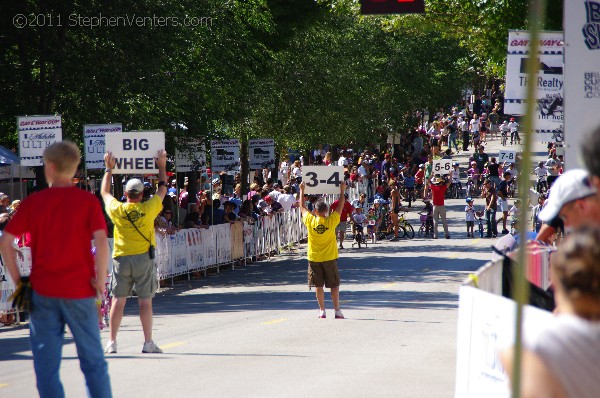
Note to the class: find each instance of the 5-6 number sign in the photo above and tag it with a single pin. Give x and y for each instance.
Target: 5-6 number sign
(322, 179)
(442, 166)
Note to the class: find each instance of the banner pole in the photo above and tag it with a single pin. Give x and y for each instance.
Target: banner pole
(521, 293)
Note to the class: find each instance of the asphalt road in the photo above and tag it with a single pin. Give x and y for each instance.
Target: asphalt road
(254, 331)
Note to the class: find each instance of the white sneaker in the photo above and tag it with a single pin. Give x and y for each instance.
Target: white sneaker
(111, 347)
(322, 314)
(151, 348)
(339, 315)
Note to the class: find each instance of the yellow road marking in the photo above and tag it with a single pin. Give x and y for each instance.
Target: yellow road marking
(171, 345)
(453, 255)
(346, 301)
(2, 385)
(389, 285)
(274, 321)
(476, 240)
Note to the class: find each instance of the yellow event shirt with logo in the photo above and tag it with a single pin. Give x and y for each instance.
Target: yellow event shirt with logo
(322, 240)
(128, 241)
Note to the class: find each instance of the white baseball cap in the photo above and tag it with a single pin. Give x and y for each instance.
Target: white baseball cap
(570, 186)
(134, 185)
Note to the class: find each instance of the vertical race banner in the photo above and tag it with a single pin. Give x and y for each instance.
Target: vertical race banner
(582, 75)
(35, 134)
(190, 156)
(549, 119)
(135, 151)
(224, 155)
(93, 138)
(261, 154)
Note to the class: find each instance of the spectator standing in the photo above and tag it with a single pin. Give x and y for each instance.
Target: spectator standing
(502, 189)
(62, 221)
(345, 211)
(286, 199)
(491, 205)
(322, 252)
(438, 193)
(133, 253)
(494, 171)
(481, 159)
(464, 128)
(553, 166)
(343, 160)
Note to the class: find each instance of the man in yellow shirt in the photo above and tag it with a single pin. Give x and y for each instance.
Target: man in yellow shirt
(322, 250)
(133, 254)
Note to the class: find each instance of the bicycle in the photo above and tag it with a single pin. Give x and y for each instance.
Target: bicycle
(455, 190)
(426, 228)
(480, 217)
(504, 138)
(359, 237)
(404, 228)
(541, 185)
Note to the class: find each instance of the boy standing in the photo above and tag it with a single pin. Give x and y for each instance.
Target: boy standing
(62, 221)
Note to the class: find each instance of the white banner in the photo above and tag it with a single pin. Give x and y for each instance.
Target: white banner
(190, 156)
(135, 151)
(549, 84)
(35, 134)
(225, 155)
(93, 138)
(486, 325)
(582, 74)
(322, 179)
(261, 154)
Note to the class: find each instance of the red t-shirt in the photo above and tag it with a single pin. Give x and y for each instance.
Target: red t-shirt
(437, 194)
(348, 209)
(61, 222)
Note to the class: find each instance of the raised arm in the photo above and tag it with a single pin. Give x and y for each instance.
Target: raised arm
(303, 208)
(161, 162)
(109, 163)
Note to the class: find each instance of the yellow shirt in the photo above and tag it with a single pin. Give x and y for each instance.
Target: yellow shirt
(322, 242)
(127, 240)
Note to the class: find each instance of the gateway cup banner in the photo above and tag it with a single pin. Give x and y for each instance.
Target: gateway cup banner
(36, 133)
(549, 120)
(93, 137)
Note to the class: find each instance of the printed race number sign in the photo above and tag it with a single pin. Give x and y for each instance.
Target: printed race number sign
(442, 166)
(322, 179)
(506, 156)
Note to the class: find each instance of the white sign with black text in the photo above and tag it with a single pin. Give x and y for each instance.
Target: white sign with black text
(93, 138)
(261, 153)
(190, 156)
(135, 151)
(225, 155)
(322, 179)
(35, 134)
(506, 156)
(442, 166)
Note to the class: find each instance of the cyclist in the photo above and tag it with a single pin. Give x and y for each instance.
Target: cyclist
(409, 186)
(428, 211)
(473, 176)
(513, 127)
(541, 172)
(359, 219)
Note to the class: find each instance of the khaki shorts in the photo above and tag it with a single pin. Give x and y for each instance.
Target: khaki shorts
(325, 273)
(342, 226)
(136, 271)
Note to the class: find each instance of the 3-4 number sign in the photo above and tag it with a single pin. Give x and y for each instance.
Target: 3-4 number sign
(322, 179)
(442, 166)
(506, 156)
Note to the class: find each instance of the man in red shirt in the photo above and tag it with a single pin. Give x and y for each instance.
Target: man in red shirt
(341, 228)
(62, 220)
(438, 193)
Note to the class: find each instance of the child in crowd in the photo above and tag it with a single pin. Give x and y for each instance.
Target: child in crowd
(470, 217)
(372, 224)
(428, 211)
(514, 213)
(456, 176)
(419, 178)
